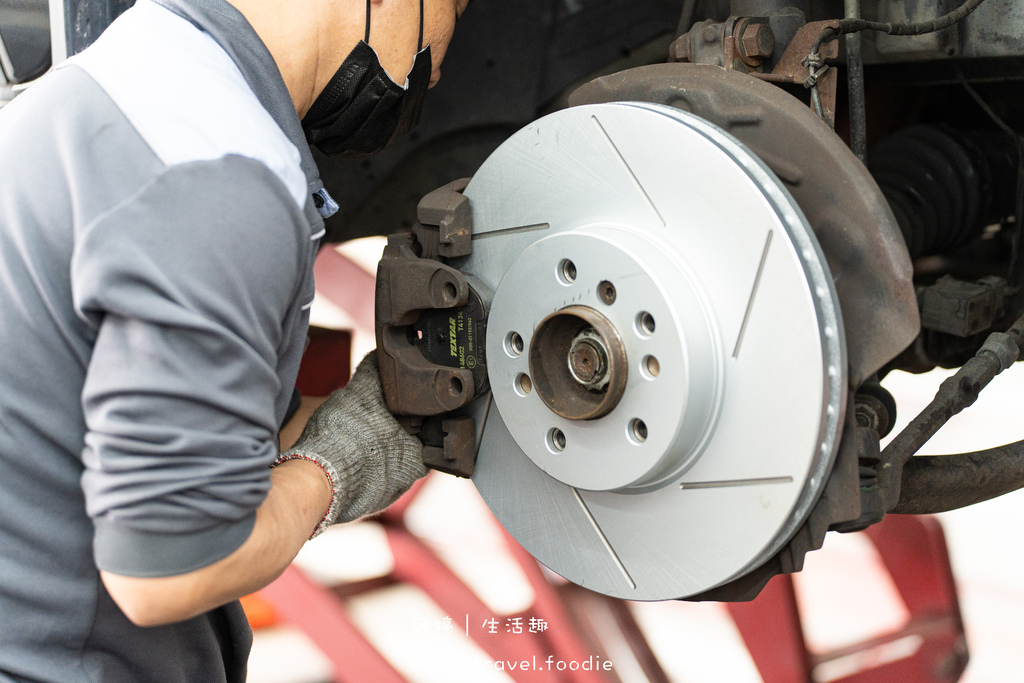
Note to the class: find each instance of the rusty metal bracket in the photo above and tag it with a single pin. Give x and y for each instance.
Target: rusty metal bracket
(743, 44)
(791, 69)
(739, 43)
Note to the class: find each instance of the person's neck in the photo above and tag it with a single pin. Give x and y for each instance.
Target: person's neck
(305, 38)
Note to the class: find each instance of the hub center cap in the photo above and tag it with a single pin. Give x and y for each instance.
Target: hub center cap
(578, 363)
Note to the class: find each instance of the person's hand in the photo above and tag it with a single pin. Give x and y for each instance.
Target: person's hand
(367, 456)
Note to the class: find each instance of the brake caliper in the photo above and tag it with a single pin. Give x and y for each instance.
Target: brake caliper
(431, 320)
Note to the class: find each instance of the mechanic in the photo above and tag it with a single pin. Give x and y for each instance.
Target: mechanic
(160, 212)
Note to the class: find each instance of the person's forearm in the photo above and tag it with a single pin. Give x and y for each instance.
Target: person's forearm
(290, 432)
(298, 498)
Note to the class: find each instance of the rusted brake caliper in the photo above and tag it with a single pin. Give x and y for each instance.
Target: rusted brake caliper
(430, 325)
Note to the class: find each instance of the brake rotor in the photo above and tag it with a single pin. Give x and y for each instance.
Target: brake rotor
(666, 353)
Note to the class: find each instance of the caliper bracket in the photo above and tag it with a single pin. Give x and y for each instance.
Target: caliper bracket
(430, 324)
(449, 444)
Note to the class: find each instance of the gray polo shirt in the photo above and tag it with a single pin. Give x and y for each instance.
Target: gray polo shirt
(158, 228)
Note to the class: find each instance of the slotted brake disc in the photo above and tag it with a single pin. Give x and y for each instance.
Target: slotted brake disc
(665, 350)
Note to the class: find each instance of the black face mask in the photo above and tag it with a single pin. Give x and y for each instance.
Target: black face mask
(362, 111)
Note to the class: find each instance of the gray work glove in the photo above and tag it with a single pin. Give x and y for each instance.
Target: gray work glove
(368, 457)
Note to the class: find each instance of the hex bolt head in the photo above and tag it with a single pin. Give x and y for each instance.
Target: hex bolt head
(679, 51)
(585, 362)
(871, 413)
(588, 360)
(758, 41)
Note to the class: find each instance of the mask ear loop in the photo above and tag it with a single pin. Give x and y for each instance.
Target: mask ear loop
(419, 47)
(366, 38)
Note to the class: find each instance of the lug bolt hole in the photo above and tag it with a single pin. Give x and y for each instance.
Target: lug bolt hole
(523, 385)
(566, 272)
(556, 440)
(650, 367)
(514, 345)
(644, 324)
(637, 431)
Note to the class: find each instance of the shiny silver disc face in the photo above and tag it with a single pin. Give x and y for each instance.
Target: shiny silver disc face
(665, 351)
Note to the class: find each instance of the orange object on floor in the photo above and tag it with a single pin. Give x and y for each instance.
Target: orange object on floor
(258, 611)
